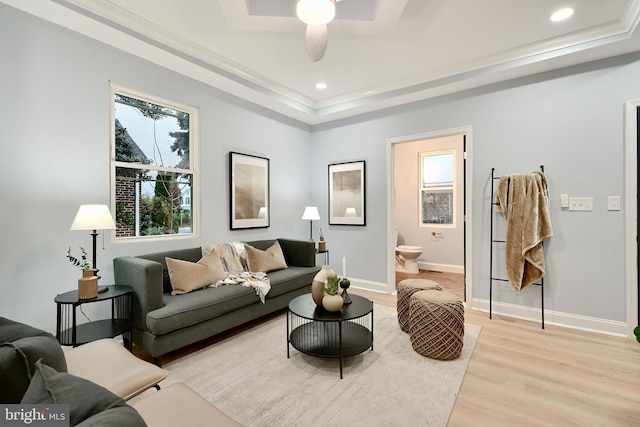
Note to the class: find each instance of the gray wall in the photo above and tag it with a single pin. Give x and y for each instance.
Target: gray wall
(54, 110)
(571, 121)
(55, 155)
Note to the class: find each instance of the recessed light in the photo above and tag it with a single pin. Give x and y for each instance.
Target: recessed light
(321, 85)
(562, 14)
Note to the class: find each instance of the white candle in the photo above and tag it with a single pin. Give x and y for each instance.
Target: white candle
(344, 266)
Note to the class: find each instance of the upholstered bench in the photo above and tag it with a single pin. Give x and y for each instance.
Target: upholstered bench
(107, 363)
(405, 289)
(179, 405)
(436, 324)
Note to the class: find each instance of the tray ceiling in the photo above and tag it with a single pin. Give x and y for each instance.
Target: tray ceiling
(381, 53)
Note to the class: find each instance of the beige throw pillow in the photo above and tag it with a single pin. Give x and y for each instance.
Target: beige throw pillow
(188, 276)
(265, 261)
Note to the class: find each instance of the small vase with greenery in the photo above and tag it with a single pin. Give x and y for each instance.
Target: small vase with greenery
(322, 246)
(332, 301)
(81, 263)
(88, 283)
(332, 286)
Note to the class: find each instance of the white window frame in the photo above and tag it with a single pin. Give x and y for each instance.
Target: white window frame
(421, 188)
(194, 160)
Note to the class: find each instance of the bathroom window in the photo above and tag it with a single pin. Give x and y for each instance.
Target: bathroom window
(153, 154)
(437, 187)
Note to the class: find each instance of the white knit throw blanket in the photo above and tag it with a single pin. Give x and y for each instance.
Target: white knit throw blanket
(234, 260)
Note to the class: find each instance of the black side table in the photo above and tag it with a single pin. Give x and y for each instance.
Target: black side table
(326, 255)
(68, 332)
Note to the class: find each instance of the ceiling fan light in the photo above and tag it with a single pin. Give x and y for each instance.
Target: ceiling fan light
(317, 38)
(316, 12)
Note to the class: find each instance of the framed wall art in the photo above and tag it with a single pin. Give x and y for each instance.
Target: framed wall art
(347, 193)
(249, 191)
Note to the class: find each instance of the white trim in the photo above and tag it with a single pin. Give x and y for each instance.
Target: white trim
(631, 212)
(466, 131)
(194, 159)
(565, 320)
(445, 268)
(369, 285)
(94, 19)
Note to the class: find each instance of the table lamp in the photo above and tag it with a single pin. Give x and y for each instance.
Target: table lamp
(311, 213)
(94, 217)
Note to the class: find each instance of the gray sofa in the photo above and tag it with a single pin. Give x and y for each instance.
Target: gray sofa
(163, 322)
(34, 370)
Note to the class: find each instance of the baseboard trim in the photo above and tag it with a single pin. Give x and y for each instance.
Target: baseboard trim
(567, 320)
(444, 268)
(368, 285)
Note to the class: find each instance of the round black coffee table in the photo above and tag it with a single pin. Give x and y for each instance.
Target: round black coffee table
(313, 330)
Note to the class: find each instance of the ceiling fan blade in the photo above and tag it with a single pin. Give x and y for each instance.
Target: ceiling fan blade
(317, 38)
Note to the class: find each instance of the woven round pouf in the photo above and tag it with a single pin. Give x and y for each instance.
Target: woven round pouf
(436, 324)
(405, 289)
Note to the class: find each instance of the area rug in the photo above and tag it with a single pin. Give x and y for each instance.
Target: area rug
(249, 377)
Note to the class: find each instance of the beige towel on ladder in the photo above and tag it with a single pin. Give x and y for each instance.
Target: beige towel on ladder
(524, 202)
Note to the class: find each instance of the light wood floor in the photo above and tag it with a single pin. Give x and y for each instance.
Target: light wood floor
(522, 375)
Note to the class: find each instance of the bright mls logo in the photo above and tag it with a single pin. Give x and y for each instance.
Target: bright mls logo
(36, 415)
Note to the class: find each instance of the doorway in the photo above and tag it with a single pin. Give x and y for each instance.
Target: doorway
(632, 183)
(434, 235)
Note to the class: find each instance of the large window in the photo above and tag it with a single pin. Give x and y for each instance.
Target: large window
(152, 165)
(437, 187)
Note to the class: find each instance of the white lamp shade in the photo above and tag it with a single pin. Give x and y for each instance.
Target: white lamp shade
(316, 12)
(93, 217)
(311, 213)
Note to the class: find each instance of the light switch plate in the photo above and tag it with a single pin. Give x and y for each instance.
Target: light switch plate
(613, 203)
(580, 203)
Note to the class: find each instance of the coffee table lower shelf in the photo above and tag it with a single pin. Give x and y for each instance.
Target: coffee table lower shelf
(322, 339)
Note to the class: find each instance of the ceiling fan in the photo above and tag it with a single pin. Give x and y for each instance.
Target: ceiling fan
(316, 14)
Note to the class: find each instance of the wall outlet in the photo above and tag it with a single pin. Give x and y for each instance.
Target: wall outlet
(581, 203)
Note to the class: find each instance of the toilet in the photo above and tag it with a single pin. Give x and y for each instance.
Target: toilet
(407, 256)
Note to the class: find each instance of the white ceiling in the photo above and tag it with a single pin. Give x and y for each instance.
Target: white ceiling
(381, 53)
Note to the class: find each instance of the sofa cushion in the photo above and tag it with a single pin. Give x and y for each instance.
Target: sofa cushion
(265, 261)
(185, 310)
(85, 399)
(187, 276)
(290, 279)
(20, 347)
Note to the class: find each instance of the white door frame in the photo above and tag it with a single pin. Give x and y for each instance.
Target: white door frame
(631, 211)
(465, 131)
